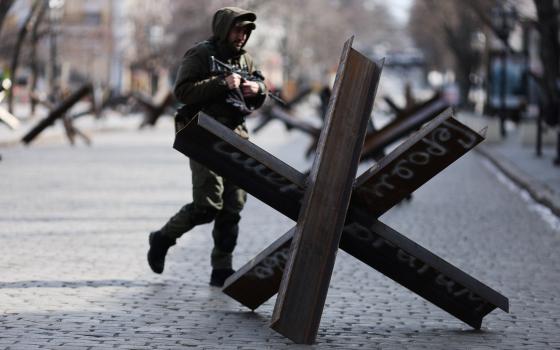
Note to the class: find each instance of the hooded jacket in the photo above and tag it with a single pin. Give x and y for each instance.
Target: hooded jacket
(197, 88)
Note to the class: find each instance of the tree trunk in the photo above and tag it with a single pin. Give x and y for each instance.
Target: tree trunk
(548, 27)
(464, 61)
(4, 8)
(15, 58)
(34, 64)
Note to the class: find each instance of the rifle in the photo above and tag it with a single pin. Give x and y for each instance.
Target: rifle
(186, 112)
(219, 67)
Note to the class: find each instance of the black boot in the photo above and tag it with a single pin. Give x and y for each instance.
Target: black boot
(159, 244)
(219, 276)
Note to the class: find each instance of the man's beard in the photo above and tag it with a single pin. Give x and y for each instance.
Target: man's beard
(237, 46)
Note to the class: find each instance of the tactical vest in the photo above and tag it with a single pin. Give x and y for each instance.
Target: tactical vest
(233, 102)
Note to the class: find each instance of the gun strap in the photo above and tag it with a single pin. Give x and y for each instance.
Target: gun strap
(243, 63)
(213, 51)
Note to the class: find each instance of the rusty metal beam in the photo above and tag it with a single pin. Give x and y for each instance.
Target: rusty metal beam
(402, 125)
(321, 220)
(413, 163)
(262, 175)
(56, 113)
(330, 217)
(153, 109)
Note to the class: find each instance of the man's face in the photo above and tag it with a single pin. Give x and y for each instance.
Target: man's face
(238, 36)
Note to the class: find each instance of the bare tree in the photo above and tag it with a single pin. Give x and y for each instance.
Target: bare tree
(4, 8)
(191, 22)
(19, 43)
(426, 34)
(312, 31)
(148, 23)
(309, 47)
(444, 31)
(163, 34)
(35, 37)
(483, 9)
(548, 18)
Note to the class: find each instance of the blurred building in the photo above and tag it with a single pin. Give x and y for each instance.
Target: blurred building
(92, 41)
(99, 41)
(85, 41)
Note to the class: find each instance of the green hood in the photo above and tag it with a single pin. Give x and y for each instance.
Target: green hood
(224, 19)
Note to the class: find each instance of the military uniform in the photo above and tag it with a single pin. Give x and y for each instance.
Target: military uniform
(214, 197)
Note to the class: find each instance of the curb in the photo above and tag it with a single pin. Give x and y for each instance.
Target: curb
(538, 192)
(55, 137)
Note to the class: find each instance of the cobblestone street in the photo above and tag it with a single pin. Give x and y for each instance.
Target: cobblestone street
(73, 271)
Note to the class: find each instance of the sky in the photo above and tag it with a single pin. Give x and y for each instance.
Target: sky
(400, 9)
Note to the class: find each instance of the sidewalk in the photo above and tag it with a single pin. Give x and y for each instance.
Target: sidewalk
(516, 157)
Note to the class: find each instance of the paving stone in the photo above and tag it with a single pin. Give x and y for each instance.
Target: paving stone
(73, 242)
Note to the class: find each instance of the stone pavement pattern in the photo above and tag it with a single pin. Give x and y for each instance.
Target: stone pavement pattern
(73, 274)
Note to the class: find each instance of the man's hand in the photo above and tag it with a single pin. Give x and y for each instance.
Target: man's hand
(233, 81)
(249, 88)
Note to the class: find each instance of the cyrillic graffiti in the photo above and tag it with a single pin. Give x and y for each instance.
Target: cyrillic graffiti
(281, 183)
(435, 146)
(419, 267)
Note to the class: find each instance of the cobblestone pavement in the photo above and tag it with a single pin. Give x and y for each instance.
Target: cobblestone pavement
(73, 273)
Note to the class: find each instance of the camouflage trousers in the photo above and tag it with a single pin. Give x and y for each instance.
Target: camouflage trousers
(214, 199)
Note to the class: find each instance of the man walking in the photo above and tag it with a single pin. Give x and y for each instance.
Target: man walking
(228, 99)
